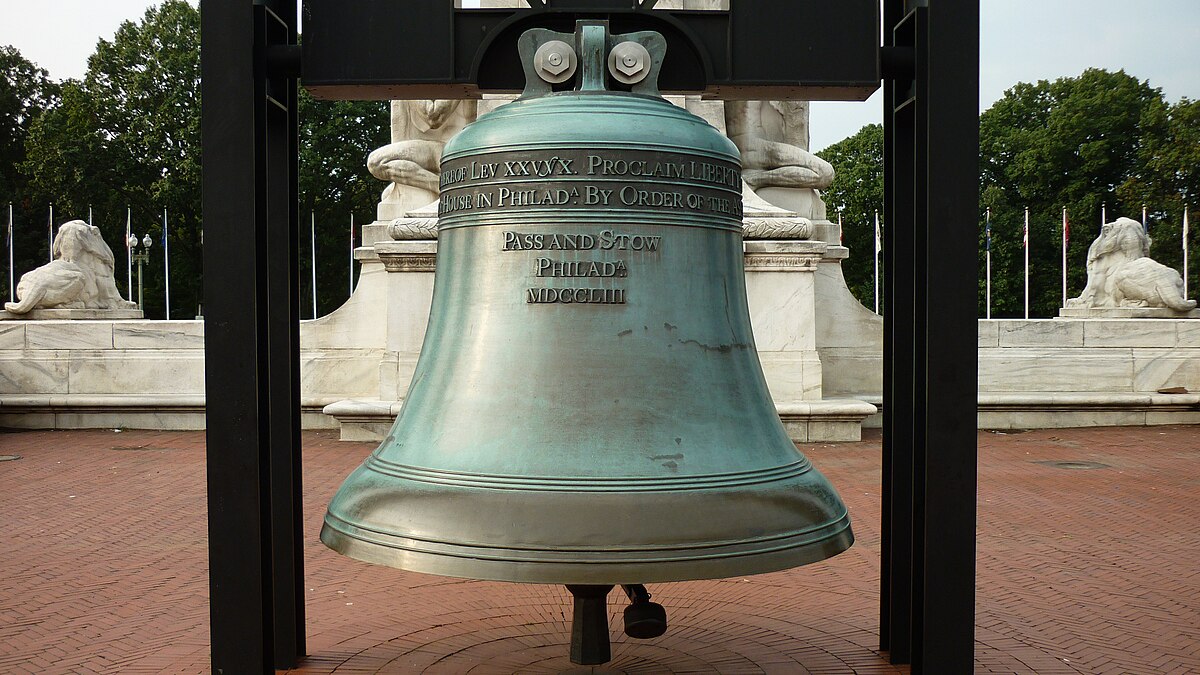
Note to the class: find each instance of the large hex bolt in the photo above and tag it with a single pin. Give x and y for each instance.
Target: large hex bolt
(629, 63)
(555, 62)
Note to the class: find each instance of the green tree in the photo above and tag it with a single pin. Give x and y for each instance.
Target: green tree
(335, 138)
(128, 137)
(1167, 179)
(26, 92)
(1071, 142)
(856, 193)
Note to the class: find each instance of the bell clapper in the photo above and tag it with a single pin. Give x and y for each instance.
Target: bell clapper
(643, 619)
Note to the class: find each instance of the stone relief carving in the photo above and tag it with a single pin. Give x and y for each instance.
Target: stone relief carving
(79, 277)
(412, 161)
(1121, 273)
(773, 138)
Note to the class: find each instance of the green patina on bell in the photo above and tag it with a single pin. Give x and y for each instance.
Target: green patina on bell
(589, 407)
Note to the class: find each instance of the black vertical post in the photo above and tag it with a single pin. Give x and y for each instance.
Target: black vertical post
(896, 565)
(948, 66)
(927, 598)
(251, 345)
(277, 25)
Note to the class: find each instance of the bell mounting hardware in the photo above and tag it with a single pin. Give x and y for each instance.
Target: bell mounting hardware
(362, 49)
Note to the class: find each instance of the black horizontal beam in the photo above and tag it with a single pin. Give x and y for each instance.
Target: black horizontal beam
(759, 49)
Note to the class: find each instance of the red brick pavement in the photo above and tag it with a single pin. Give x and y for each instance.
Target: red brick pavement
(103, 569)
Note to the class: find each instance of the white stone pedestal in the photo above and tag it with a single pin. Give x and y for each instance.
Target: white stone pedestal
(781, 287)
(72, 315)
(1125, 313)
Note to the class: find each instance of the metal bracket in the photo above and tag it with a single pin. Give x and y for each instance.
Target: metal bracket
(897, 64)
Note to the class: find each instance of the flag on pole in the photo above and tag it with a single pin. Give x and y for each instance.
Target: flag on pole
(1185, 251)
(878, 248)
(987, 228)
(878, 240)
(12, 293)
(128, 250)
(166, 265)
(313, 232)
(1025, 245)
(1066, 238)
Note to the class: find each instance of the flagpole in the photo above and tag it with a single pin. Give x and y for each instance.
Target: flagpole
(1066, 233)
(167, 263)
(1026, 242)
(1103, 213)
(876, 259)
(90, 223)
(1145, 221)
(314, 262)
(1185, 251)
(128, 251)
(12, 297)
(987, 229)
(351, 254)
(50, 233)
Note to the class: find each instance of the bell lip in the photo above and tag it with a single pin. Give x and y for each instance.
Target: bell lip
(704, 565)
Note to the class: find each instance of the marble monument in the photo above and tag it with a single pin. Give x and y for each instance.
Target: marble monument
(78, 284)
(1124, 281)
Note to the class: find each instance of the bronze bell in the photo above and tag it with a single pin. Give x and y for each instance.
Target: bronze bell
(589, 408)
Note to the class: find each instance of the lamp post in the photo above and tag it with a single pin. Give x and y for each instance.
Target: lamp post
(140, 258)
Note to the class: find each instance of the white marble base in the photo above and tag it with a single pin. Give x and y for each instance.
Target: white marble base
(72, 315)
(830, 420)
(1065, 410)
(1125, 313)
(806, 422)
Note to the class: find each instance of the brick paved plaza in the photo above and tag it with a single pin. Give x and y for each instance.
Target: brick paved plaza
(1080, 570)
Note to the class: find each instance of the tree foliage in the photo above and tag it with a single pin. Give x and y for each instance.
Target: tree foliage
(1102, 141)
(856, 194)
(128, 137)
(335, 138)
(26, 92)
(1068, 143)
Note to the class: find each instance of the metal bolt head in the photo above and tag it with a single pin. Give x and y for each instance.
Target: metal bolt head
(629, 62)
(555, 61)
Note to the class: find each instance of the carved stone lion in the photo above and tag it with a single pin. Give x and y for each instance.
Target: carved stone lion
(1120, 273)
(79, 277)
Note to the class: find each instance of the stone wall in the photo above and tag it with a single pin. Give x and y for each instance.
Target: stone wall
(150, 374)
(1088, 372)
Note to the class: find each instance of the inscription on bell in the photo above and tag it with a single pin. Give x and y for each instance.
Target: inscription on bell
(570, 179)
(607, 240)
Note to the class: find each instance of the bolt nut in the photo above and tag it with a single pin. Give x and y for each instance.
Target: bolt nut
(555, 62)
(629, 62)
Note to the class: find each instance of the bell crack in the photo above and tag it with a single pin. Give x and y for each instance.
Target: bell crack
(724, 349)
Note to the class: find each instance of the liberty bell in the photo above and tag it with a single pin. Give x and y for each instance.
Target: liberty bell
(589, 408)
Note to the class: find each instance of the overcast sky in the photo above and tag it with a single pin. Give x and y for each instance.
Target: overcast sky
(1021, 41)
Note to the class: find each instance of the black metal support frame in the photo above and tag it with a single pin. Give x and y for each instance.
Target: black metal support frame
(931, 137)
(250, 66)
(252, 345)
